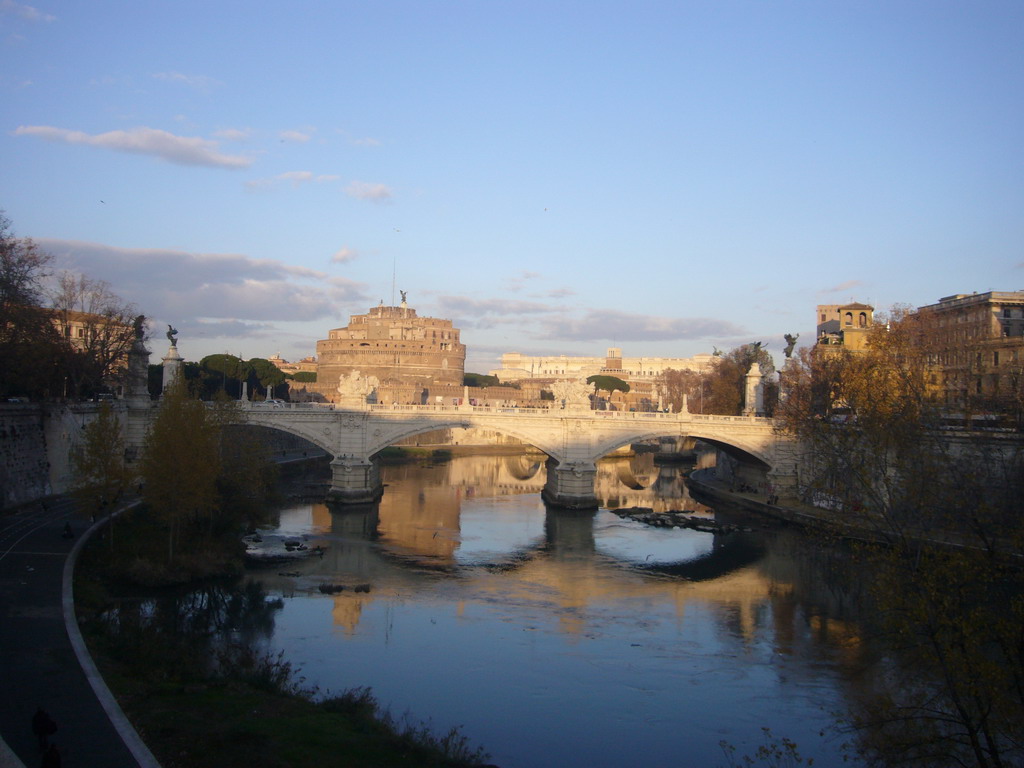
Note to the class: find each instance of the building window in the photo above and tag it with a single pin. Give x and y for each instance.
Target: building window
(995, 358)
(849, 318)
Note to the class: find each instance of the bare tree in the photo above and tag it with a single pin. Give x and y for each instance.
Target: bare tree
(726, 381)
(946, 514)
(28, 341)
(98, 332)
(675, 384)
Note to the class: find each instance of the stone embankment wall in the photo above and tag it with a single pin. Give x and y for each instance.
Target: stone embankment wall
(36, 442)
(24, 465)
(35, 448)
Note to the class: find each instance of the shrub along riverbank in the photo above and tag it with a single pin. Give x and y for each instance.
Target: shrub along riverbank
(185, 666)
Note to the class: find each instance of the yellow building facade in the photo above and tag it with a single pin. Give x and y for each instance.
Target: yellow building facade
(406, 354)
(979, 343)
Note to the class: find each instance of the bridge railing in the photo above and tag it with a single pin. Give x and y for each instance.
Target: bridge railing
(520, 410)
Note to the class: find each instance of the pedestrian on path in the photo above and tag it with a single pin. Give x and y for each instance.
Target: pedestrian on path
(43, 727)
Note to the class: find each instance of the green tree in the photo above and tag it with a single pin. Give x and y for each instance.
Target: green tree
(480, 380)
(180, 466)
(221, 373)
(101, 476)
(263, 374)
(304, 377)
(608, 383)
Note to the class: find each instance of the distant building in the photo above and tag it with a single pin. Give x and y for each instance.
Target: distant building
(407, 354)
(844, 325)
(84, 330)
(536, 374)
(517, 367)
(305, 365)
(979, 339)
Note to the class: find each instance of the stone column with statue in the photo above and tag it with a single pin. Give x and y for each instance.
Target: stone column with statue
(172, 361)
(788, 372)
(754, 395)
(139, 405)
(136, 390)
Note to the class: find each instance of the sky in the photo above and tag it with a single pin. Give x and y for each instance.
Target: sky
(554, 177)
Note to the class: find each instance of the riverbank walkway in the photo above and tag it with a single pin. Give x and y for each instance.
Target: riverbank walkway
(43, 659)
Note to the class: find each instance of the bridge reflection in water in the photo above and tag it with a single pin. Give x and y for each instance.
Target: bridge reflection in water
(451, 518)
(561, 637)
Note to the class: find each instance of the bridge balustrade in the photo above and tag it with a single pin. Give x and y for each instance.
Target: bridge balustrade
(574, 438)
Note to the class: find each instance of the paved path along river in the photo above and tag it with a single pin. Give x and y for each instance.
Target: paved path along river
(42, 660)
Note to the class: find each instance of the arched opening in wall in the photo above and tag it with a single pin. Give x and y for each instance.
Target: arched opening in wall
(523, 466)
(848, 318)
(862, 320)
(464, 441)
(636, 472)
(242, 444)
(742, 469)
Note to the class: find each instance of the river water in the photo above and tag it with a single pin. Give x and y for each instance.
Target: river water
(556, 638)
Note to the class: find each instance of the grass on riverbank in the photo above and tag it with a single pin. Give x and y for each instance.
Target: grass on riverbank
(237, 724)
(200, 697)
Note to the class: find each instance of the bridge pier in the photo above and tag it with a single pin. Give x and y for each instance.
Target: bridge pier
(570, 485)
(355, 480)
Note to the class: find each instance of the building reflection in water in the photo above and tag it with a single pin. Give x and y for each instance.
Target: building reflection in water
(418, 528)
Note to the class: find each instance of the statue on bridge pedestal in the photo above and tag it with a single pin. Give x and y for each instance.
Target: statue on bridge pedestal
(790, 343)
(354, 388)
(574, 394)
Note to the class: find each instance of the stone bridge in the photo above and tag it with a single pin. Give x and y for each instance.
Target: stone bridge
(573, 439)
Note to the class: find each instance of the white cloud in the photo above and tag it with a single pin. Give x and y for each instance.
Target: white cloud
(184, 286)
(622, 326)
(344, 254)
(24, 12)
(300, 137)
(842, 287)
(233, 134)
(295, 178)
(515, 282)
(180, 150)
(367, 142)
(466, 306)
(364, 190)
(199, 82)
(559, 293)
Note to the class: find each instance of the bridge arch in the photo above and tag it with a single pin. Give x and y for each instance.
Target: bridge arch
(744, 449)
(310, 436)
(388, 438)
(572, 439)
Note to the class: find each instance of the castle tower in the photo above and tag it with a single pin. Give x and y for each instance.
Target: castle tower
(407, 354)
